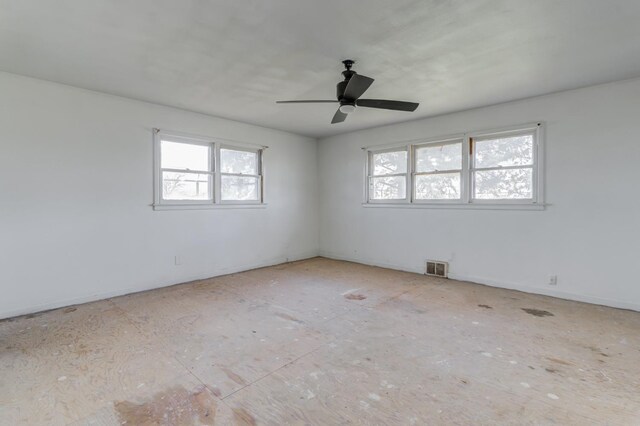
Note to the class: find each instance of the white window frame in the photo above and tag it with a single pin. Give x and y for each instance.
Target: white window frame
(463, 170)
(371, 176)
(258, 152)
(467, 176)
(534, 132)
(215, 144)
(160, 170)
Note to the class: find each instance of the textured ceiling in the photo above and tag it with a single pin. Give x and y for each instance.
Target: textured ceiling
(235, 58)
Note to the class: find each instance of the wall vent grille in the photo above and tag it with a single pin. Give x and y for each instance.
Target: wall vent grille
(436, 268)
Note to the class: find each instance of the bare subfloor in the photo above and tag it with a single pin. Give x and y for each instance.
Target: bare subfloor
(322, 342)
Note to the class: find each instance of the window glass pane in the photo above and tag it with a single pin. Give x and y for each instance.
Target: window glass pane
(175, 155)
(236, 188)
(511, 151)
(389, 188)
(388, 163)
(439, 157)
(441, 186)
(504, 184)
(244, 162)
(185, 186)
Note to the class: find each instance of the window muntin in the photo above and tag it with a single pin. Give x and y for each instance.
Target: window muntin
(438, 171)
(186, 171)
(240, 174)
(194, 171)
(388, 178)
(503, 167)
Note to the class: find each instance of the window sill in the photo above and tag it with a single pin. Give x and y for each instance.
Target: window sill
(458, 206)
(208, 206)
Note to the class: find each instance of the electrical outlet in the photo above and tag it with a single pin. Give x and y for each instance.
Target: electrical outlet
(553, 280)
(178, 260)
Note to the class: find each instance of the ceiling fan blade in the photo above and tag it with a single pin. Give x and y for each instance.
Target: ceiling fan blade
(339, 117)
(305, 102)
(357, 85)
(385, 104)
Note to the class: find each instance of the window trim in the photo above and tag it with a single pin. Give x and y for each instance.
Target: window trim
(467, 190)
(215, 144)
(370, 175)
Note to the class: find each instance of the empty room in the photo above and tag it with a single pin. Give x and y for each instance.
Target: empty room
(299, 212)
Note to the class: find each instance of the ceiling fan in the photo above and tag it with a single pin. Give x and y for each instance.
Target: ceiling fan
(349, 92)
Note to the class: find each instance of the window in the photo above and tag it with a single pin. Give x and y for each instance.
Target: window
(187, 171)
(240, 174)
(200, 172)
(502, 167)
(483, 169)
(438, 171)
(388, 178)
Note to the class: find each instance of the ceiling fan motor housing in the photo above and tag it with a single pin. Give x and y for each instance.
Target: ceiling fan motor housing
(340, 87)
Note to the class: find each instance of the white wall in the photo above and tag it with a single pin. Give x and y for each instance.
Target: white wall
(589, 236)
(76, 188)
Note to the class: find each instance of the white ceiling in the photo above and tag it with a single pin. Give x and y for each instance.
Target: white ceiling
(235, 58)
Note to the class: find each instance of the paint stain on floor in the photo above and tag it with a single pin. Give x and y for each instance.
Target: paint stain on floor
(597, 351)
(233, 376)
(559, 361)
(355, 296)
(537, 312)
(175, 406)
(69, 310)
(217, 392)
(288, 317)
(243, 417)
(485, 306)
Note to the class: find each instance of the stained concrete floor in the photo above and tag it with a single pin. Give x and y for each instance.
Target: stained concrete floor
(322, 342)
